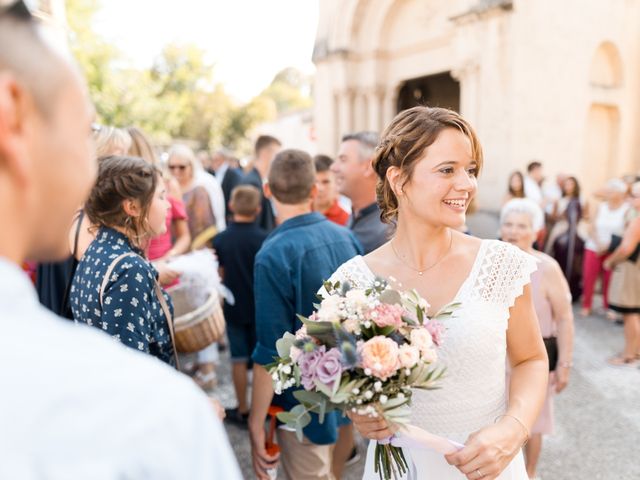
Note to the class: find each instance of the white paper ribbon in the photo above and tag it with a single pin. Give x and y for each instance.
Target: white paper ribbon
(410, 436)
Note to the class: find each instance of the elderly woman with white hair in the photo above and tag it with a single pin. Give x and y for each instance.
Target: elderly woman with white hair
(201, 193)
(521, 220)
(608, 221)
(204, 202)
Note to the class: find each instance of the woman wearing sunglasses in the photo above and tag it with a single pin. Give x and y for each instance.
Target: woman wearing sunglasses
(204, 202)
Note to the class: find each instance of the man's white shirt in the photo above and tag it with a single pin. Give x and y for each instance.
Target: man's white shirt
(75, 404)
(532, 190)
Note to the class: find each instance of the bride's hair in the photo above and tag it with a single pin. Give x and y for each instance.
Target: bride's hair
(403, 143)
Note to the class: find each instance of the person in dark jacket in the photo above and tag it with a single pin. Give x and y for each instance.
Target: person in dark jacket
(236, 249)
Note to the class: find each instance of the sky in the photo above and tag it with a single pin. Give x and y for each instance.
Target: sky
(249, 41)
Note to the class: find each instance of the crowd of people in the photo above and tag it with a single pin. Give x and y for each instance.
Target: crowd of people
(594, 240)
(106, 221)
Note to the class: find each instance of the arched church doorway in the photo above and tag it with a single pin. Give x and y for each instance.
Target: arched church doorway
(439, 90)
(601, 145)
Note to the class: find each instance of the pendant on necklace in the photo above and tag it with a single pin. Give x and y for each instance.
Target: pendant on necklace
(420, 273)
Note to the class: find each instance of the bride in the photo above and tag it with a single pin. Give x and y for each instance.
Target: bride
(427, 164)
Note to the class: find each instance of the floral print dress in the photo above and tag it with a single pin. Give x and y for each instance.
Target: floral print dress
(130, 310)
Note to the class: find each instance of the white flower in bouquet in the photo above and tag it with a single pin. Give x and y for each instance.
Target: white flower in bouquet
(352, 325)
(358, 298)
(429, 355)
(329, 309)
(421, 339)
(408, 355)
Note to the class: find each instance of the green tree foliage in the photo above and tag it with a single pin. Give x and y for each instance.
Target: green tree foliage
(290, 90)
(176, 97)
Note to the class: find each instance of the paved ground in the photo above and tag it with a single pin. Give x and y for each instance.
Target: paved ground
(597, 417)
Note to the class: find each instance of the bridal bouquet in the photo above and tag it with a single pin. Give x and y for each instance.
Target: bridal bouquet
(362, 351)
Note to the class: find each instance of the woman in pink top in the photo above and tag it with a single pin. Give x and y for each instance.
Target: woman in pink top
(521, 220)
(162, 246)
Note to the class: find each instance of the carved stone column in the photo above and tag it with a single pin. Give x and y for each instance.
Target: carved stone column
(468, 76)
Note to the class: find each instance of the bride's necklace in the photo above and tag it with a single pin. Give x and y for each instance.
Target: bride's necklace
(422, 271)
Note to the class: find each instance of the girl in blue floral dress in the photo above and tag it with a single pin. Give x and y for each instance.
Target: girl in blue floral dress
(127, 206)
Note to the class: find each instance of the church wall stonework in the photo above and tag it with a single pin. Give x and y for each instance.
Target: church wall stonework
(535, 78)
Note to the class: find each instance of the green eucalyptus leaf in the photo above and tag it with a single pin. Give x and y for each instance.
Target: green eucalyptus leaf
(319, 328)
(410, 321)
(323, 388)
(322, 410)
(309, 398)
(416, 373)
(395, 402)
(299, 419)
(284, 344)
(390, 297)
(384, 331)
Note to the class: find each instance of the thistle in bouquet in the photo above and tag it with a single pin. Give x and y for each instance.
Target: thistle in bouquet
(362, 351)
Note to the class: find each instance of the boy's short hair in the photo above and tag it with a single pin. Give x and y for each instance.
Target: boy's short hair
(323, 163)
(245, 200)
(292, 176)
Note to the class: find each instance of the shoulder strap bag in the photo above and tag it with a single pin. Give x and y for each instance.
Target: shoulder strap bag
(159, 295)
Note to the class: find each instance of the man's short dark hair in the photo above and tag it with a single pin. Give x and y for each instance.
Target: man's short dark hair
(368, 142)
(292, 176)
(533, 166)
(322, 163)
(265, 141)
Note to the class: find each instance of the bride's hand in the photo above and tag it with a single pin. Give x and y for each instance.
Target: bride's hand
(372, 428)
(487, 452)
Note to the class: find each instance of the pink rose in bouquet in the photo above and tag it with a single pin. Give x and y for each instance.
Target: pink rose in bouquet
(385, 315)
(329, 367)
(380, 357)
(308, 363)
(436, 329)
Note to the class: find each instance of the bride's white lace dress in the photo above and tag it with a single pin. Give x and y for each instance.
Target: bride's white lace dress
(473, 393)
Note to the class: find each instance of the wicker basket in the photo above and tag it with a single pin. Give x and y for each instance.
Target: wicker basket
(196, 327)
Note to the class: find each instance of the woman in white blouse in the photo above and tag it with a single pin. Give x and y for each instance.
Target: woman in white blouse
(609, 220)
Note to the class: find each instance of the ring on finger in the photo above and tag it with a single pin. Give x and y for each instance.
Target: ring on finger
(480, 475)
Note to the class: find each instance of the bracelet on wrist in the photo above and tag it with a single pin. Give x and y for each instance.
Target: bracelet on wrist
(524, 427)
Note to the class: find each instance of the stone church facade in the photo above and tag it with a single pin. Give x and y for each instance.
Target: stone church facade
(555, 81)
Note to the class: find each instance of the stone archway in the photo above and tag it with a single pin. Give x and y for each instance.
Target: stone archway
(439, 90)
(603, 118)
(606, 67)
(601, 144)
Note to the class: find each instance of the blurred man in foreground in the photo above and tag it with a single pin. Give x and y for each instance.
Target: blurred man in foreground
(138, 419)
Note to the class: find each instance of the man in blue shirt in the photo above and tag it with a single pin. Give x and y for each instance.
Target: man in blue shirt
(290, 268)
